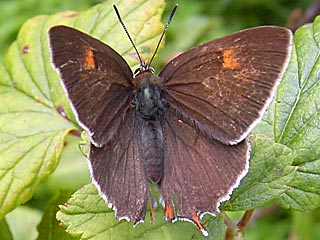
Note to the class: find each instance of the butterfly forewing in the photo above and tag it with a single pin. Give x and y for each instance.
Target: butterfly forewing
(222, 87)
(97, 80)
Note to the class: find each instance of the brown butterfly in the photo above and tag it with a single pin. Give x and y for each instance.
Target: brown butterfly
(184, 130)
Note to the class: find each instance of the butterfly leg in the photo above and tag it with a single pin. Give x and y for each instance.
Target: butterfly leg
(197, 222)
(153, 205)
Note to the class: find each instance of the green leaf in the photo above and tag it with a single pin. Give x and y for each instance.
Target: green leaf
(32, 130)
(49, 228)
(297, 118)
(269, 175)
(28, 154)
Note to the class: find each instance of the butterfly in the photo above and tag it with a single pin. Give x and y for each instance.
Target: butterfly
(185, 129)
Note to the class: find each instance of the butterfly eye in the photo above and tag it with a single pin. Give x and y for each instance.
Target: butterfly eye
(136, 72)
(151, 69)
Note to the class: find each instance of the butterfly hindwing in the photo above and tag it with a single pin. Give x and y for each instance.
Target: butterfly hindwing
(97, 80)
(199, 172)
(224, 86)
(117, 171)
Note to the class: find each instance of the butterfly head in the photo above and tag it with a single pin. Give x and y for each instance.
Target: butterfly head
(144, 68)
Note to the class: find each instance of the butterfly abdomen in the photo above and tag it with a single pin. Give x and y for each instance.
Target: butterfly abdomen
(152, 149)
(150, 108)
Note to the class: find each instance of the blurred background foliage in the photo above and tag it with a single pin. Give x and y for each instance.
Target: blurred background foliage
(194, 22)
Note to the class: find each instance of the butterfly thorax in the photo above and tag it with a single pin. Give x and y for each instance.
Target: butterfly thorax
(148, 101)
(150, 107)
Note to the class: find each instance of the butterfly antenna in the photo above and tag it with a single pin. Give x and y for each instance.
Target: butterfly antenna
(164, 31)
(125, 29)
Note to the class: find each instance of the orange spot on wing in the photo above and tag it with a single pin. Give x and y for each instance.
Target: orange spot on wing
(88, 60)
(169, 212)
(229, 60)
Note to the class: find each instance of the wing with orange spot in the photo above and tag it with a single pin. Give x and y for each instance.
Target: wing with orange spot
(224, 86)
(97, 80)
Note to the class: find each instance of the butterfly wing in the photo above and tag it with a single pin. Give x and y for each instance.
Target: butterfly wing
(97, 80)
(199, 172)
(98, 83)
(223, 86)
(117, 171)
